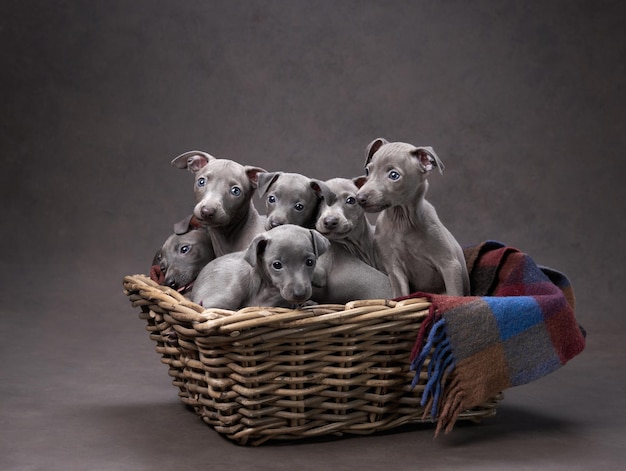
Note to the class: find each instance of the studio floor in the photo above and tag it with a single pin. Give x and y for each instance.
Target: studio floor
(83, 388)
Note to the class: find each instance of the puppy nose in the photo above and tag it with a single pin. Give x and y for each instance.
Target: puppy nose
(299, 293)
(171, 282)
(207, 213)
(275, 223)
(330, 222)
(361, 198)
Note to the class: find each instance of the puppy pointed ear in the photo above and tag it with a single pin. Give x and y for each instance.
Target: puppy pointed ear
(253, 174)
(256, 249)
(320, 243)
(265, 180)
(372, 147)
(428, 159)
(359, 181)
(193, 160)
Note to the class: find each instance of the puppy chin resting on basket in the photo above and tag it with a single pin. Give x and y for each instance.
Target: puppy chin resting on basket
(275, 270)
(181, 257)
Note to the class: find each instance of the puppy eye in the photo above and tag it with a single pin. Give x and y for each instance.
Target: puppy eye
(367, 172)
(309, 262)
(350, 200)
(201, 181)
(277, 265)
(393, 175)
(235, 191)
(299, 206)
(271, 199)
(185, 248)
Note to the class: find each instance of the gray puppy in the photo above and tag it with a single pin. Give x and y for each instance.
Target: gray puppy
(275, 270)
(417, 250)
(343, 220)
(223, 192)
(181, 257)
(289, 199)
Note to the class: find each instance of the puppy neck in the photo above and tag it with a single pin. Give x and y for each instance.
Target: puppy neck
(415, 212)
(224, 238)
(360, 241)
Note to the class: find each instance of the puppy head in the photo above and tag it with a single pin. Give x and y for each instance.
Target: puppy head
(339, 213)
(222, 188)
(286, 257)
(289, 199)
(395, 173)
(181, 257)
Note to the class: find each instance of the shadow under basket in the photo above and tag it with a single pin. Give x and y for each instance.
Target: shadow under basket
(261, 374)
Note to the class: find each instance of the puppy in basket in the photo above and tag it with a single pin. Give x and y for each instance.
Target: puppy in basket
(289, 199)
(418, 252)
(223, 191)
(342, 219)
(181, 257)
(275, 270)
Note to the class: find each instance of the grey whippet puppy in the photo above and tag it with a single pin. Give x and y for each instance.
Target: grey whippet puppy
(275, 270)
(289, 199)
(417, 250)
(181, 257)
(343, 220)
(223, 192)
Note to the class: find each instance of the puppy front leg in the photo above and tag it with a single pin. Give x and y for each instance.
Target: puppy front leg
(399, 284)
(456, 279)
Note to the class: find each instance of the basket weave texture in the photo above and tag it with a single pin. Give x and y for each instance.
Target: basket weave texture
(272, 373)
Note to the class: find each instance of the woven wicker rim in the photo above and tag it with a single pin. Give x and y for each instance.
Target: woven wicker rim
(206, 321)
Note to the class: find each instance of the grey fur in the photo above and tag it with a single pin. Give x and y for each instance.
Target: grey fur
(275, 270)
(223, 192)
(419, 253)
(289, 199)
(182, 256)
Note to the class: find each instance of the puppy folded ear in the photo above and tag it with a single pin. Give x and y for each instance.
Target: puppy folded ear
(372, 147)
(193, 160)
(187, 224)
(320, 243)
(256, 249)
(322, 191)
(253, 174)
(359, 181)
(427, 159)
(183, 226)
(265, 180)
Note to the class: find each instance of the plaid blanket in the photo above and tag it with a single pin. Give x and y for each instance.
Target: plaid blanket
(517, 326)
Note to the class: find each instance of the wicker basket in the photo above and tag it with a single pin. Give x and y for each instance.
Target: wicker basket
(272, 373)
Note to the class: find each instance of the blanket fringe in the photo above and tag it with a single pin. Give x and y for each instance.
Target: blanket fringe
(451, 408)
(425, 327)
(441, 366)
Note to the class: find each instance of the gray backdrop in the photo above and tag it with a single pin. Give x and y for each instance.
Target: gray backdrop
(522, 100)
